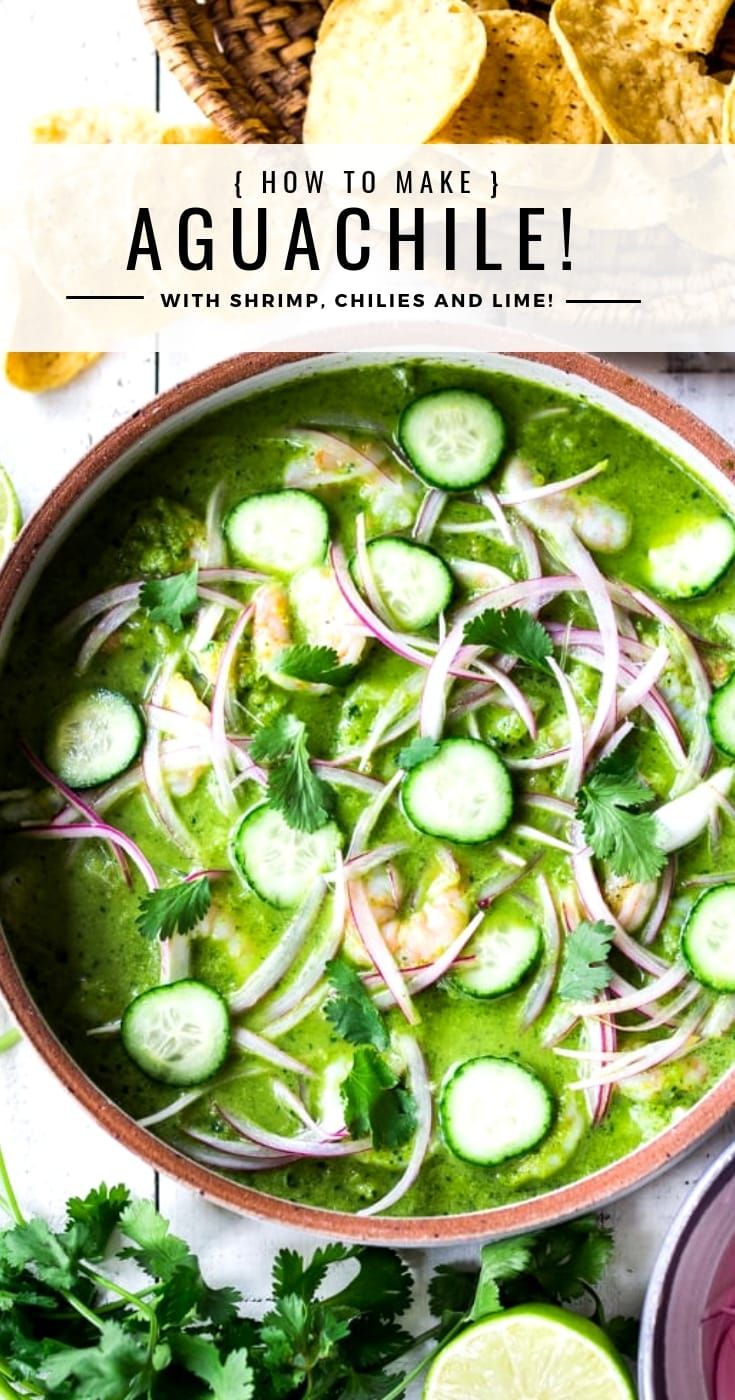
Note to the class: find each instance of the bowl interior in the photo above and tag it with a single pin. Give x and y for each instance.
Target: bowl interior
(703, 453)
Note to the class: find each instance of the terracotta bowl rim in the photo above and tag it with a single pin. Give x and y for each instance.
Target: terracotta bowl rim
(589, 1193)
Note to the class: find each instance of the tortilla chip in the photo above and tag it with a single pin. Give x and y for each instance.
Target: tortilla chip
(690, 25)
(641, 91)
(387, 70)
(36, 371)
(524, 91)
(103, 126)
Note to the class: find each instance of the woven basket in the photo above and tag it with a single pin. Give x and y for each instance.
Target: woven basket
(246, 62)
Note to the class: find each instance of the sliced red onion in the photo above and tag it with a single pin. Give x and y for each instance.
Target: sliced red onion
(575, 760)
(659, 911)
(615, 740)
(270, 971)
(703, 882)
(721, 1019)
(221, 600)
(418, 1079)
(302, 1146)
(542, 838)
(561, 1025)
(564, 634)
(294, 1015)
(426, 521)
(227, 1162)
(533, 765)
(643, 996)
(629, 1063)
(370, 815)
(424, 977)
(529, 552)
(637, 690)
(553, 488)
(94, 607)
(378, 950)
(334, 772)
(373, 624)
(238, 1150)
(180, 726)
(170, 1111)
(543, 985)
(152, 769)
(342, 451)
(547, 802)
(597, 909)
(220, 752)
(254, 1044)
(667, 1015)
(491, 889)
(229, 575)
(101, 831)
(596, 588)
(492, 505)
(372, 860)
(79, 804)
(312, 971)
(700, 750)
(295, 1105)
(368, 582)
(106, 627)
(602, 1041)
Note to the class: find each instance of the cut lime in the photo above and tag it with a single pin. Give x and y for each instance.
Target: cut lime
(10, 517)
(531, 1353)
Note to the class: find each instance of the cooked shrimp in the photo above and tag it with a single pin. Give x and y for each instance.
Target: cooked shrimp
(325, 617)
(439, 916)
(271, 625)
(384, 891)
(390, 500)
(631, 901)
(180, 696)
(478, 577)
(316, 604)
(602, 526)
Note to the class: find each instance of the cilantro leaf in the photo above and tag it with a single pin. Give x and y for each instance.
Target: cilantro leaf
(585, 971)
(52, 1258)
(231, 1379)
(381, 1286)
(92, 1219)
(617, 832)
(101, 1372)
(503, 1260)
(417, 752)
(570, 1258)
(175, 908)
(512, 632)
(303, 800)
(375, 1103)
(159, 1253)
(452, 1293)
(171, 599)
(319, 665)
(351, 1009)
(292, 1275)
(624, 1333)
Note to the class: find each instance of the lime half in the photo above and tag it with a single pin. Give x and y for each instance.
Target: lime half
(530, 1353)
(10, 517)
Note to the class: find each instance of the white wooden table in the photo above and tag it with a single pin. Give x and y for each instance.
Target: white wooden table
(85, 51)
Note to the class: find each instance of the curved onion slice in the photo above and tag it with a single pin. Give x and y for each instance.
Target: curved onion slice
(75, 802)
(660, 908)
(601, 1037)
(420, 1086)
(637, 690)
(553, 488)
(106, 627)
(377, 949)
(277, 963)
(596, 908)
(101, 831)
(305, 1145)
(152, 768)
(489, 500)
(684, 818)
(314, 965)
(575, 759)
(426, 521)
(228, 1162)
(219, 746)
(253, 1044)
(625, 1064)
(543, 985)
(642, 996)
(423, 977)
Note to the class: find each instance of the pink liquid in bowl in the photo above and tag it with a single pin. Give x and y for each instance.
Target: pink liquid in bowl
(718, 1331)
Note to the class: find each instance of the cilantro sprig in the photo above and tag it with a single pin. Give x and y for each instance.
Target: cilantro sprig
(319, 665)
(585, 971)
(513, 632)
(294, 789)
(376, 1102)
(418, 751)
(351, 1010)
(68, 1329)
(609, 807)
(171, 600)
(175, 908)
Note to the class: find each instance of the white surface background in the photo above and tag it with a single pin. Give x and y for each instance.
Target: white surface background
(87, 51)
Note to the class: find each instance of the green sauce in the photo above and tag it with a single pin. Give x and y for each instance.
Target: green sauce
(71, 921)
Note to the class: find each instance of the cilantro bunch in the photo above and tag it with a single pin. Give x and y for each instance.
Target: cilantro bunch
(69, 1329)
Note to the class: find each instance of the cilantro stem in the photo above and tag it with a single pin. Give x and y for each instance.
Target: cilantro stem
(11, 1199)
(8, 1391)
(401, 1388)
(9, 1039)
(134, 1299)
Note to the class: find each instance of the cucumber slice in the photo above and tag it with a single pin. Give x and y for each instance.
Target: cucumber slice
(721, 717)
(454, 438)
(93, 737)
(281, 864)
(178, 1034)
(492, 1109)
(414, 581)
(505, 948)
(278, 531)
(708, 939)
(463, 793)
(692, 563)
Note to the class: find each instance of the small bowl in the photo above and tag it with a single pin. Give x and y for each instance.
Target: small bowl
(697, 1251)
(629, 399)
